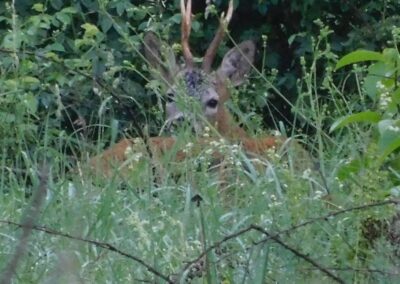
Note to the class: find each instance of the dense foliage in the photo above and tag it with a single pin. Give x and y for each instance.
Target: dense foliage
(73, 80)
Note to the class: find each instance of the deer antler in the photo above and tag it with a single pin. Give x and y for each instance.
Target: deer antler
(212, 49)
(185, 32)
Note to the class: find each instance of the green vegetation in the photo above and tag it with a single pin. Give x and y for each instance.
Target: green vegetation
(73, 81)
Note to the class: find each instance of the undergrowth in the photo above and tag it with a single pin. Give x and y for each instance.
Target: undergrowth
(269, 219)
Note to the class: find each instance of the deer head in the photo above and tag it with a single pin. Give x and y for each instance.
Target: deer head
(195, 93)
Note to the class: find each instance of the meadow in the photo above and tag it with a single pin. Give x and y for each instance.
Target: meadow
(74, 81)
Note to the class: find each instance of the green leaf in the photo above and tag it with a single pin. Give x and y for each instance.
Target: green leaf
(349, 168)
(390, 148)
(30, 80)
(359, 56)
(365, 116)
(389, 139)
(84, 42)
(38, 7)
(31, 103)
(121, 6)
(105, 23)
(12, 41)
(139, 13)
(69, 10)
(7, 117)
(90, 30)
(53, 56)
(391, 56)
(293, 37)
(376, 72)
(176, 18)
(56, 4)
(196, 26)
(56, 47)
(396, 96)
(63, 18)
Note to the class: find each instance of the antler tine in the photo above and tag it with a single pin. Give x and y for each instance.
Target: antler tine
(185, 31)
(212, 49)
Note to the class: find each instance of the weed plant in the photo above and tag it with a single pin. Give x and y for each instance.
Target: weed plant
(270, 220)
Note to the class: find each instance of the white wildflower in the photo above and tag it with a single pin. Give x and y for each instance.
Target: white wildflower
(136, 157)
(384, 100)
(318, 194)
(188, 147)
(306, 173)
(395, 191)
(128, 151)
(393, 128)
(209, 151)
(380, 86)
(71, 190)
(276, 133)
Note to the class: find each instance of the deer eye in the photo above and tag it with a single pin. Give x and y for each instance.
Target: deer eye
(212, 103)
(170, 97)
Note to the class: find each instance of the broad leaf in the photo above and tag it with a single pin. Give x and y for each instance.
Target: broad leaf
(376, 73)
(389, 140)
(366, 116)
(395, 144)
(359, 56)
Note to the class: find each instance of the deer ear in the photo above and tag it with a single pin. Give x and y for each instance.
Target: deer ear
(161, 60)
(237, 62)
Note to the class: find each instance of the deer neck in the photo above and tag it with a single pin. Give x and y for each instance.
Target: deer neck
(227, 127)
(224, 123)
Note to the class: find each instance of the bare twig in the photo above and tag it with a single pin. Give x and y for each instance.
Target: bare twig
(99, 244)
(336, 213)
(29, 219)
(286, 231)
(365, 270)
(214, 246)
(270, 236)
(298, 253)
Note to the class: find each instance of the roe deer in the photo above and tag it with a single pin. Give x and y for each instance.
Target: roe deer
(195, 96)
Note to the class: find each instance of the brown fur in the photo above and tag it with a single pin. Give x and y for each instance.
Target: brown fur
(115, 156)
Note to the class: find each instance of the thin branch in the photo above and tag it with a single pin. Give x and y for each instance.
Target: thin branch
(339, 212)
(28, 221)
(270, 236)
(286, 231)
(365, 270)
(298, 254)
(214, 246)
(99, 244)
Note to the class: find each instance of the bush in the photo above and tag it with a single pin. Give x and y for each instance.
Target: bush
(73, 81)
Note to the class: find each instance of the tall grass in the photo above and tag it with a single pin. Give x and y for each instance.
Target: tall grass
(267, 221)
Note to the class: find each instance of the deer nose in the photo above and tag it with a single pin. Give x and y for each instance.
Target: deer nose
(180, 120)
(183, 121)
(177, 122)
